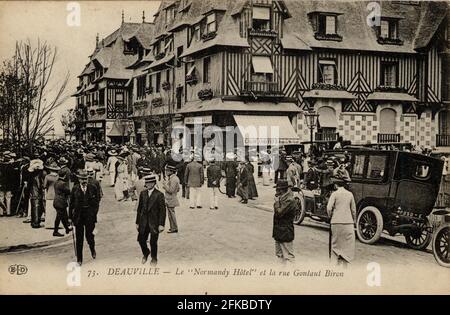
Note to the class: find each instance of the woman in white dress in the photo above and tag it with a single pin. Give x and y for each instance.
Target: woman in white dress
(121, 187)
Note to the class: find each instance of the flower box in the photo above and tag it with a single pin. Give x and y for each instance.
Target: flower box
(331, 37)
(208, 36)
(389, 41)
(157, 102)
(140, 104)
(191, 79)
(165, 86)
(160, 56)
(325, 86)
(390, 89)
(205, 94)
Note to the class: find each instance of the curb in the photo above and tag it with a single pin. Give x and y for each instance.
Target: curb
(23, 247)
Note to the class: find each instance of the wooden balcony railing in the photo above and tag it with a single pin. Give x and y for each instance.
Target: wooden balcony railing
(262, 89)
(388, 137)
(443, 140)
(262, 32)
(327, 136)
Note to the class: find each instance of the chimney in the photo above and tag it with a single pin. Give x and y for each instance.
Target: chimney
(123, 16)
(96, 41)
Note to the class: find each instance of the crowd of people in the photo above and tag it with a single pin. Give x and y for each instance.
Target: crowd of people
(61, 183)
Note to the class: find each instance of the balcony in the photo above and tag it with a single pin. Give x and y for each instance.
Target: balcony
(261, 89)
(327, 136)
(388, 138)
(443, 140)
(262, 33)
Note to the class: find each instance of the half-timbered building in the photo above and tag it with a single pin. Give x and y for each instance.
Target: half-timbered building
(104, 92)
(373, 71)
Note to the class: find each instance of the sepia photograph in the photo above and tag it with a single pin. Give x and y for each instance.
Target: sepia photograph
(225, 147)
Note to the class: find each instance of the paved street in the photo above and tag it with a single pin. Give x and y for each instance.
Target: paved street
(233, 235)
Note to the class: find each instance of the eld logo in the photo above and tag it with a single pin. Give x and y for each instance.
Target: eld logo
(18, 270)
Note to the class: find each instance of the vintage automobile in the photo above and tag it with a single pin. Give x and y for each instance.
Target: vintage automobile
(441, 239)
(394, 191)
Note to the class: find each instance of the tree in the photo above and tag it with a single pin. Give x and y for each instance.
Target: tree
(27, 101)
(68, 119)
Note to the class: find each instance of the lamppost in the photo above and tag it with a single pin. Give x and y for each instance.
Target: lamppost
(311, 118)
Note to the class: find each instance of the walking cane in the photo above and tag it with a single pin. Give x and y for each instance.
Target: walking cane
(73, 241)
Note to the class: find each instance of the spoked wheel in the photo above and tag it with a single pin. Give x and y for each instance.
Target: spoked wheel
(441, 246)
(369, 225)
(420, 238)
(223, 185)
(300, 213)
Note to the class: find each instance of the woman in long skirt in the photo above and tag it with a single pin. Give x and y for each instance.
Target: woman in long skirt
(121, 187)
(252, 190)
(342, 210)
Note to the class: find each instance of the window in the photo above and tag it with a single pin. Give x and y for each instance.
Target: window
(101, 97)
(422, 171)
(179, 53)
(211, 23)
(327, 72)
(158, 82)
(167, 75)
(389, 29)
(261, 18)
(206, 69)
(119, 98)
(262, 64)
(196, 32)
(169, 45)
(376, 167)
(141, 83)
(179, 96)
(389, 74)
(327, 24)
(358, 168)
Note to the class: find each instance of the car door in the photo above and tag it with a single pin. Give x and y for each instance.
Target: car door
(356, 186)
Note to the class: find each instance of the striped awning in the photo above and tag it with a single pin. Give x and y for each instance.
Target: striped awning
(270, 130)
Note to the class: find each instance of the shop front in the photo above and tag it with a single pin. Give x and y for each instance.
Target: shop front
(119, 131)
(95, 131)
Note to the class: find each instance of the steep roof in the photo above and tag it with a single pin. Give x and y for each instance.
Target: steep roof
(434, 14)
(352, 24)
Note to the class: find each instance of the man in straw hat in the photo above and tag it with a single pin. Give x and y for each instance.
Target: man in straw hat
(83, 213)
(341, 209)
(150, 218)
(37, 194)
(285, 207)
(171, 186)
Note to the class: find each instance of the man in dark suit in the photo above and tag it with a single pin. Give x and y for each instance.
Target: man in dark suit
(84, 203)
(150, 219)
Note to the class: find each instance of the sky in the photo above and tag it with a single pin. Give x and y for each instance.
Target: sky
(47, 20)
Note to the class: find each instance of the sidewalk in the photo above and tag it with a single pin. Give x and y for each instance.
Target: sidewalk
(17, 235)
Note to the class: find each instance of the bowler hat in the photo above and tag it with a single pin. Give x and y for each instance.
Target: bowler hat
(112, 152)
(171, 168)
(62, 161)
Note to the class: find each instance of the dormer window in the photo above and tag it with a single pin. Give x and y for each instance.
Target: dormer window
(196, 32)
(261, 18)
(388, 31)
(325, 25)
(211, 25)
(128, 48)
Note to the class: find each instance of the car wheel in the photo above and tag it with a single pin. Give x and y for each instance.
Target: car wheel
(421, 238)
(441, 246)
(300, 213)
(369, 225)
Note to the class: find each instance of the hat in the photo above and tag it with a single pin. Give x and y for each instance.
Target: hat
(112, 152)
(36, 165)
(62, 161)
(171, 168)
(312, 162)
(53, 167)
(289, 158)
(230, 155)
(145, 170)
(90, 157)
(82, 174)
(150, 179)
(282, 184)
(341, 176)
(90, 171)
(80, 151)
